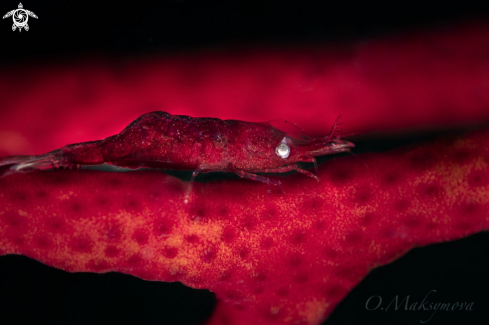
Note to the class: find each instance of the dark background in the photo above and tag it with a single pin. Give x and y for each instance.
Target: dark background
(34, 293)
(77, 28)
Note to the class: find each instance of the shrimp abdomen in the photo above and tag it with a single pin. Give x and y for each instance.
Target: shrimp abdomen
(85, 153)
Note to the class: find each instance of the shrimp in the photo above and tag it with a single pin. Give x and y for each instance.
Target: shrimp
(161, 140)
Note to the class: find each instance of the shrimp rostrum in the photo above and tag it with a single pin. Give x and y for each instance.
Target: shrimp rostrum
(165, 141)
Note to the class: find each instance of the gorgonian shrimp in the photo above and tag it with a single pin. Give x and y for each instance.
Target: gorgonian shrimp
(165, 141)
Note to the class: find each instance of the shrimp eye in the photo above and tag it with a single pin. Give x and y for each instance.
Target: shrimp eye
(282, 150)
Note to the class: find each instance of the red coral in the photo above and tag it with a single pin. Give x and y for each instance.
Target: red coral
(322, 238)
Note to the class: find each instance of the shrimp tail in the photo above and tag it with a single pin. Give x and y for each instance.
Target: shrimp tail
(13, 164)
(69, 157)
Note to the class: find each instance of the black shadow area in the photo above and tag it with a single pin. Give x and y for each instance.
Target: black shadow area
(33, 293)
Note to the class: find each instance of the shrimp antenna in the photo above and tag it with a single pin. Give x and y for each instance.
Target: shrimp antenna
(336, 130)
(303, 135)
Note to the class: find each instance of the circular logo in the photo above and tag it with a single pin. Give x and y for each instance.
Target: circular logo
(20, 17)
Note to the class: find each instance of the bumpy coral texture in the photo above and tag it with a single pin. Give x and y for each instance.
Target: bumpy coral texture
(281, 258)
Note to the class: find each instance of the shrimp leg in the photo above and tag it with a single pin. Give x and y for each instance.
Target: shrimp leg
(243, 174)
(313, 160)
(284, 169)
(246, 174)
(200, 169)
(253, 177)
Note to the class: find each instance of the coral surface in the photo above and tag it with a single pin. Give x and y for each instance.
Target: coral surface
(267, 256)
